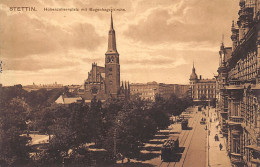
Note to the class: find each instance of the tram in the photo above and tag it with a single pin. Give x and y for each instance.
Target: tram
(184, 124)
(170, 148)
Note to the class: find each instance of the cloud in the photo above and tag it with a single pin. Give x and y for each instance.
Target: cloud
(157, 39)
(193, 20)
(22, 36)
(37, 63)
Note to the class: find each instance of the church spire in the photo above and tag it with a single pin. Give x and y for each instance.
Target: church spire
(111, 25)
(111, 39)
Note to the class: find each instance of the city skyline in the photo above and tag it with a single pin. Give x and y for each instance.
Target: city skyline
(157, 41)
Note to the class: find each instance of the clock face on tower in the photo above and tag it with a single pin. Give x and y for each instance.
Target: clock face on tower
(112, 60)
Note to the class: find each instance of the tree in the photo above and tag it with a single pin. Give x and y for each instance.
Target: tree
(14, 148)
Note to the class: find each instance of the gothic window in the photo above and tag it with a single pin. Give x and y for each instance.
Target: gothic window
(110, 69)
(108, 60)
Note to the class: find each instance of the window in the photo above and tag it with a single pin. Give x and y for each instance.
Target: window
(94, 90)
(110, 69)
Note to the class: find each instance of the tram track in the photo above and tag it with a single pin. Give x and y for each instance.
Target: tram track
(187, 149)
(186, 135)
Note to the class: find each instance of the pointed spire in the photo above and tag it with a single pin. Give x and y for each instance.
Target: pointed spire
(111, 25)
(111, 39)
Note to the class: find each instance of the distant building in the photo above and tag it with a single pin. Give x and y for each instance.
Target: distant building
(73, 88)
(35, 87)
(150, 89)
(145, 91)
(201, 89)
(104, 82)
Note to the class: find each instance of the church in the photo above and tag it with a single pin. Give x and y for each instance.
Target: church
(104, 82)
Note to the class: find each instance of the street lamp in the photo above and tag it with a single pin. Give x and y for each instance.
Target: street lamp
(208, 129)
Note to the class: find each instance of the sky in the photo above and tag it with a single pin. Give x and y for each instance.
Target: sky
(158, 40)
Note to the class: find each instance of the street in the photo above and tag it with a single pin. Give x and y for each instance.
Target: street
(192, 143)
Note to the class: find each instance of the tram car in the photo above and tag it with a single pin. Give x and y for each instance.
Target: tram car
(184, 124)
(170, 148)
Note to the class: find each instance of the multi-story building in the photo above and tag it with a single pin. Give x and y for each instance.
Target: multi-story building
(104, 82)
(201, 89)
(238, 87)
(145, 90)
(150, 89)
(221, 93)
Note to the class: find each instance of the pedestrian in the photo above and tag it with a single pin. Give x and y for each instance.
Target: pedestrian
(216, 137)
(220, 146)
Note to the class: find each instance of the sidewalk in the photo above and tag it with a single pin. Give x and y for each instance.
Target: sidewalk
(217, 157)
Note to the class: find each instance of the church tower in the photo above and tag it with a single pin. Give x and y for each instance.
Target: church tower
(112, 66)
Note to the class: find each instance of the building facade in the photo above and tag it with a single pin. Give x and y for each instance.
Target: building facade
(149, 90)
(104, 82)
(201, 89)
(238, 87)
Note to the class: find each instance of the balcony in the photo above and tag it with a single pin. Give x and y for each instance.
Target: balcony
(235, 120)
(235, 85)
(236, 158)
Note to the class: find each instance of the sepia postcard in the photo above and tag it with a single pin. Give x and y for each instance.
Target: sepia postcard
(130, 83)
